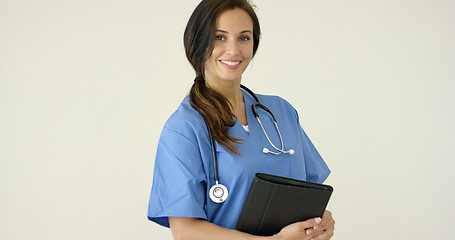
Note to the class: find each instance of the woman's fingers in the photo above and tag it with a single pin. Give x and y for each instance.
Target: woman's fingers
(314, 229)
(327, 220)
(326, 229)
(299, 230)
(309, 224)
(325, 235)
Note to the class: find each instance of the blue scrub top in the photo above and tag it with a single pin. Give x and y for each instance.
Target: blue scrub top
(184, 169)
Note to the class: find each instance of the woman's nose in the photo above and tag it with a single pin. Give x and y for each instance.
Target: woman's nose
(232, 48)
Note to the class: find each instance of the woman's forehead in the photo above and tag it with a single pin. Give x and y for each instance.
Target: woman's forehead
(234, 20)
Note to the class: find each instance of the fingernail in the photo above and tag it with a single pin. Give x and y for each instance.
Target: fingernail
(315, 227)
(309, 231)
(318, 220)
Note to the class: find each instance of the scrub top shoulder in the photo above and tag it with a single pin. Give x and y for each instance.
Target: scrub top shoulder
(184, 170)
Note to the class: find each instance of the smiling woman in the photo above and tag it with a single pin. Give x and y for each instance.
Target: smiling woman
(221, 38)
(231, 54)
(221, 35)
(232, 50)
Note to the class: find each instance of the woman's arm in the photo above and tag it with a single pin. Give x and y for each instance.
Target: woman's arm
(198, 229)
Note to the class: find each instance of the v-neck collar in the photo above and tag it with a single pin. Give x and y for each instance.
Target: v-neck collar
(252, 122)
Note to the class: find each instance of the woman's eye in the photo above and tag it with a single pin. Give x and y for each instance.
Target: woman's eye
(244, 39)
(219, 37)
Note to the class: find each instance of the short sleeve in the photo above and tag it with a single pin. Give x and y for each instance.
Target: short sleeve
(178, 188)
(316, 169)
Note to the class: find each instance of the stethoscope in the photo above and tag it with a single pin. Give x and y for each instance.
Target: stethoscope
(218, 193)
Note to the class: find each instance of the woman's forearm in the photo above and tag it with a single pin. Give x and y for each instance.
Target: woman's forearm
(197, 229)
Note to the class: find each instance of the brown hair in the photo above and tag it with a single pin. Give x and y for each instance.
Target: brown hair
(198, 40)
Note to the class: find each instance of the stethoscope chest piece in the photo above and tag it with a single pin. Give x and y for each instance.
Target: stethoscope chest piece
(218, 193)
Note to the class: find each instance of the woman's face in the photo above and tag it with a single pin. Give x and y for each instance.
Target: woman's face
(233, 47)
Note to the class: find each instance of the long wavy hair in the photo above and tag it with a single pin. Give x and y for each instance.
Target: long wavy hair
(198, 39)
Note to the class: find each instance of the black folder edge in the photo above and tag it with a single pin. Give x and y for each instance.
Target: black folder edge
(278, 180)
(293, 182)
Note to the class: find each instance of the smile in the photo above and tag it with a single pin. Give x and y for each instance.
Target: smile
(230, 63)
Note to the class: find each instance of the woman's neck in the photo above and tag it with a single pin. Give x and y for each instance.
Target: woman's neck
(232, 92)
(229, 89)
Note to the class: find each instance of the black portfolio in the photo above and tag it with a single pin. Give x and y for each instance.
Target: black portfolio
(274, 202)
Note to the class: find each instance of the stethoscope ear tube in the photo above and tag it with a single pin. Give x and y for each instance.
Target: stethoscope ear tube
(255, 113)
(250, 92)
(215, 162)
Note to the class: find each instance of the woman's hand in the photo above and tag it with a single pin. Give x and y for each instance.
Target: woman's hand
(325, 229)
(312, 229)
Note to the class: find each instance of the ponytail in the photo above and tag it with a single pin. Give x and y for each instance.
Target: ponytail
(216, 110)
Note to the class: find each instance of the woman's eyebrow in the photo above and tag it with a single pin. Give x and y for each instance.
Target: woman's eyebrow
(244, 31)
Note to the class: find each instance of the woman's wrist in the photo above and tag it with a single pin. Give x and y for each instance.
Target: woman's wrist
(274, 237)
(255, 237)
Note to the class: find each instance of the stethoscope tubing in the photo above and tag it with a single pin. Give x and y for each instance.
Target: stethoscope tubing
(218, 188)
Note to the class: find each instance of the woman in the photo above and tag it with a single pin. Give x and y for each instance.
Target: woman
(221, 38)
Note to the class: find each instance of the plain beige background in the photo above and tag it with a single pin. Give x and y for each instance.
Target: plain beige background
(86, 86)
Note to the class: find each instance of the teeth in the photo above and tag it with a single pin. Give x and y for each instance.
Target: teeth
(230, 63)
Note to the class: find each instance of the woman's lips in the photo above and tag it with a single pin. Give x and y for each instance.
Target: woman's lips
(230, 64)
